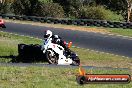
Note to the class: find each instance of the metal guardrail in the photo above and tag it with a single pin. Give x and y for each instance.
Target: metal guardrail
(81, 22)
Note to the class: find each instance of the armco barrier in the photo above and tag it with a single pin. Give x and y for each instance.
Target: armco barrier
(80, 22)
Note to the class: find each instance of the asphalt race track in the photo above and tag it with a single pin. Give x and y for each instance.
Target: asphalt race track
(89, 40)
(58, 66)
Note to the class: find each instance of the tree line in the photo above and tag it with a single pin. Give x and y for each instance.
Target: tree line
(113, 10)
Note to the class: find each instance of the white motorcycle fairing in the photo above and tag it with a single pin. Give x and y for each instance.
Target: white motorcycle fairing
(62, 60)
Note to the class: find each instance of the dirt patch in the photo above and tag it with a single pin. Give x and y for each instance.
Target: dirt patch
(71, 27)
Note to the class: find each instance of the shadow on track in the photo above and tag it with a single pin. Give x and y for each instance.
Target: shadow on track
(23, 59)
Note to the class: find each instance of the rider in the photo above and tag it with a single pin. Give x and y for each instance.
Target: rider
(49, 37)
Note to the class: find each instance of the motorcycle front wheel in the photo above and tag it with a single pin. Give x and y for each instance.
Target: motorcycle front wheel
(52, 59)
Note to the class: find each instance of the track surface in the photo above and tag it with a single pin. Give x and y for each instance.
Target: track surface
(95, 41)
(57, 66)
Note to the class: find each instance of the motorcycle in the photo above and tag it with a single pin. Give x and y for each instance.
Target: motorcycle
(56, 54)
(2, 25)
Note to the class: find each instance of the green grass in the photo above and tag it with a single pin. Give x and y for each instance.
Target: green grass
(9, 43)
(101, 59)
(121, 31)
(117, 31)
(48, 77)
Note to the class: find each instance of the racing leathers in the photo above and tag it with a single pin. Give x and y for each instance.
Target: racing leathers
(46, 42)
(57, 40)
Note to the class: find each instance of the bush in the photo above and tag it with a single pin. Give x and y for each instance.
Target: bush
(37, 8)
(73, 13)
(25, 7)
(100, 13)
(5, 8)
(46, 1)
(50, 10)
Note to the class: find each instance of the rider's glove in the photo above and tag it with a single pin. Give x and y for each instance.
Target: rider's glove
(44, 51)
(58, 40)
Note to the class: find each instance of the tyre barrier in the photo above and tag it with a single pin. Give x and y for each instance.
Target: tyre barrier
(79, 22)
(30, 53)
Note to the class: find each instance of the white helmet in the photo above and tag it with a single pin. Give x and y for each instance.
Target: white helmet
(47, 34)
